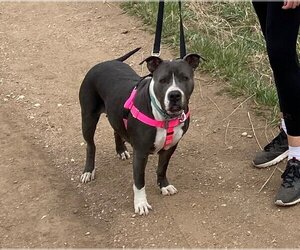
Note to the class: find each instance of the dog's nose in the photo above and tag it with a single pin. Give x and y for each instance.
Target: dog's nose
(174, 96)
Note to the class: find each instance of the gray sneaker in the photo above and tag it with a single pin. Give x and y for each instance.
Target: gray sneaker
(274, 152)
(289, 191)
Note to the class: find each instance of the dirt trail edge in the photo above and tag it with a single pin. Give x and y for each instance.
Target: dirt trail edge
(45, 51)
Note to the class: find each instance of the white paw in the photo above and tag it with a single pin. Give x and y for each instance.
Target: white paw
(87, 177)
(168, 190)
(125, 155)
(141, 205)
(142, 208)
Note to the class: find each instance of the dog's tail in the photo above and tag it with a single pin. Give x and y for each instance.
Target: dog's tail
(129, 54)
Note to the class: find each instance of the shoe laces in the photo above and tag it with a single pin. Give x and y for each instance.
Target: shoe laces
(278, 141)
(291, 172)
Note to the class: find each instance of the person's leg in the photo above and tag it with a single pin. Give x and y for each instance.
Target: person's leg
(261, 12)
(282, 28)
(277, 149)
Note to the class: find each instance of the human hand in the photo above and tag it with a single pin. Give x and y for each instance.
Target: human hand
(289, 4)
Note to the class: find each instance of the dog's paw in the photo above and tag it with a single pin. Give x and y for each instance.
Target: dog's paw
(168, 190)
(141, 205)
(87, 177)
(142, 208)
(124, 155)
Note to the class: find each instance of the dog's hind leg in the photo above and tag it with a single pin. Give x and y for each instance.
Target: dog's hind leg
(91, 108)
(121, 148)
(89, 124)
(163, 162)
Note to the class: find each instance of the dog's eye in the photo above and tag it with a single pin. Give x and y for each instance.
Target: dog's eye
(163, 80)
(184, 78)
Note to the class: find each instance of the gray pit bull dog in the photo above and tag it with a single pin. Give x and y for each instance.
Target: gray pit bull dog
(151, 113)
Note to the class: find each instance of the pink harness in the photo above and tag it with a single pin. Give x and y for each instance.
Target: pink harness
(169, 125)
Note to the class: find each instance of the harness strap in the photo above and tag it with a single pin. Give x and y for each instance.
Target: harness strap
(129, 102)
(156, 123)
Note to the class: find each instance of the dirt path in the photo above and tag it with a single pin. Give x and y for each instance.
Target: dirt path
(45, 51)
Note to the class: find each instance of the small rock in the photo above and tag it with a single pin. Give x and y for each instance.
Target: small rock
(20, 97)
(87, 233)
(244, 134)
(59, 105)
(194, 204)
(124, 32)
(37, 105)
(15, 182)
(43, 217)
(249, 136)
(72, 160)
(5, 99)
(82, 143)
(133, 216)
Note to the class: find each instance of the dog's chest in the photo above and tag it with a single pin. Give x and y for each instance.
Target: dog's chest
(161, 135)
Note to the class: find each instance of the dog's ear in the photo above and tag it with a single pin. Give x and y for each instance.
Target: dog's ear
(193, 60)
(152, 63)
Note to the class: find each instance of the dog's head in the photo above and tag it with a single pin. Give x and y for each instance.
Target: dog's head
(173, 81)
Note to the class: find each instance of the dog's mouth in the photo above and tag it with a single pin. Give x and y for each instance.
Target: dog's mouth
(175, 110)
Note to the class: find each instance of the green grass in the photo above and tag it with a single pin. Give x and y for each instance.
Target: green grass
(227, 35)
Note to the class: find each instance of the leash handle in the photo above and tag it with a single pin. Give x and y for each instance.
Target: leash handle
(159, 25)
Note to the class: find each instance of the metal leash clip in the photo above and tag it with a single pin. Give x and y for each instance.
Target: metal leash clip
(157, 54)
(183, 117)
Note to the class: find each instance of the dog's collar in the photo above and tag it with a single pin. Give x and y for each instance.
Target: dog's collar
(168, 124)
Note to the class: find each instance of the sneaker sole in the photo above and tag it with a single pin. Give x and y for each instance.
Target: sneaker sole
(273, 162)
(282, 204)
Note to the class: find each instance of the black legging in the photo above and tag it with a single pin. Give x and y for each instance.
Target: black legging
(280, 29)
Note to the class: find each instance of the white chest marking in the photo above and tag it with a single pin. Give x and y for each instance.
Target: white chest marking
(161, 133)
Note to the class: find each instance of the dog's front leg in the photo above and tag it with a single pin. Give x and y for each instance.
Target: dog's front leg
(163, 162)
(141, 205)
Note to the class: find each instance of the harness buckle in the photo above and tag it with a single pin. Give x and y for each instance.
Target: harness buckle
(166, 126)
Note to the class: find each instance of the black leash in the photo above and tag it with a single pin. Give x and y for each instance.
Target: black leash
(159, 25)
(182, 39)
